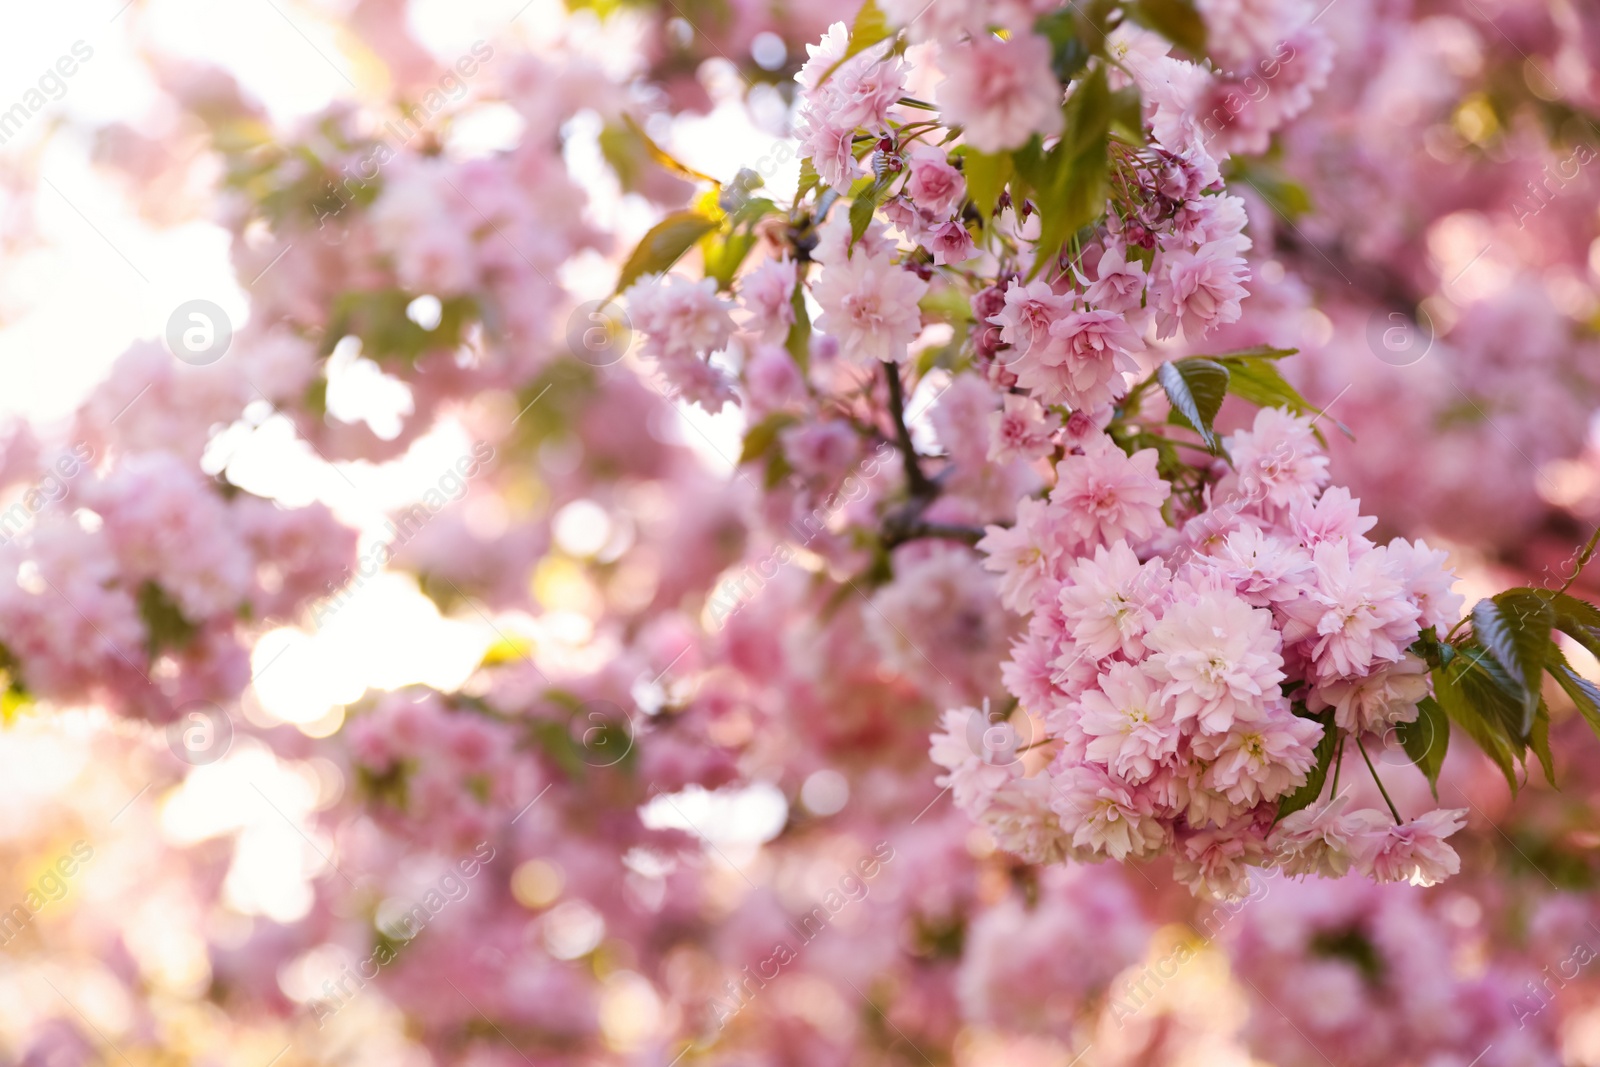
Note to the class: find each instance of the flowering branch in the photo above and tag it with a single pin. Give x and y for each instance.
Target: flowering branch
(916, 481)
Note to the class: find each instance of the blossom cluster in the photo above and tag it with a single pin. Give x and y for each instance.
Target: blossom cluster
(1181, 677)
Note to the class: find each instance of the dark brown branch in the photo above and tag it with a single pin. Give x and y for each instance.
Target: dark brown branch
(916, 481)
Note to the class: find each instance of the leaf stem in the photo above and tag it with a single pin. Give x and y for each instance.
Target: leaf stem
(1583, 558)
(1338, 765)
(1398, 821)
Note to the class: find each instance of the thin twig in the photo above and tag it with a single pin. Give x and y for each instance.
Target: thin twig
(1398, 821)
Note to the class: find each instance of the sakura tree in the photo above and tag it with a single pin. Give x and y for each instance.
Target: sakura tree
(973, 581)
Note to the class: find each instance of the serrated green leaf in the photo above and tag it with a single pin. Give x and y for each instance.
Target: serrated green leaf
(1176, 20)
(986, 176)
(1256, 379)
(1307, 794)
(1196, 388)
(1463, 705)
(664, 245)
(1426, 739)
(1515, 627)
(1576, 618)
(1584, 694)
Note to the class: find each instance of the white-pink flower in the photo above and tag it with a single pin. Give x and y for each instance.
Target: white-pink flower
(1383, 698)
(831, 149)
(1354, 615)
(1106, 495)
(1428, 581)
(1413, 852)
(1022, 429)
(1119, 283)
(1278, 460)
(679, 317)
(1023, 554)
(767, 296)
(861, 92)
(1333, 518)
(1220, 658)
(869, 305)
(1082, 367)
(1108, 602)
(1262, 759)
(1129, 727)
(1199, 290)
(1317, 840)
(1264, 568)
(1000, 92)
(1105, 816)
(978, 756)
(950, 243)
(935, 186)
(1029, 310)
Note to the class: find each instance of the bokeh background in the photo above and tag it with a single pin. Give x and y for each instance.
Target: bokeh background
(382, 694)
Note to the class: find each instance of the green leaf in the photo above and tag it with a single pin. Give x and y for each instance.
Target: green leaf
(1254, 377)
(809, 179)
(723, 253)
(1577, 619)
(1515, 627)
(1471, 703)
(1426, 739)
(1127, 113)
(1068, 183)
(1176, 20)
(666, 242)
(663, 157)
(1584, 694)
(623, 150)
(869, 28)
(379, 319)
(1258, 352)
(1196, 387)
(1539, 741)
(1284, 196)
(864, 204)
(986, 176)
(1069, 51)
(1307, 794)
(164, 624)
(799, 340)
(760, 438)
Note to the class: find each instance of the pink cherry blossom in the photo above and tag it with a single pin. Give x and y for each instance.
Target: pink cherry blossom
(1106, 495)
(870, 305)
(1000, 92)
